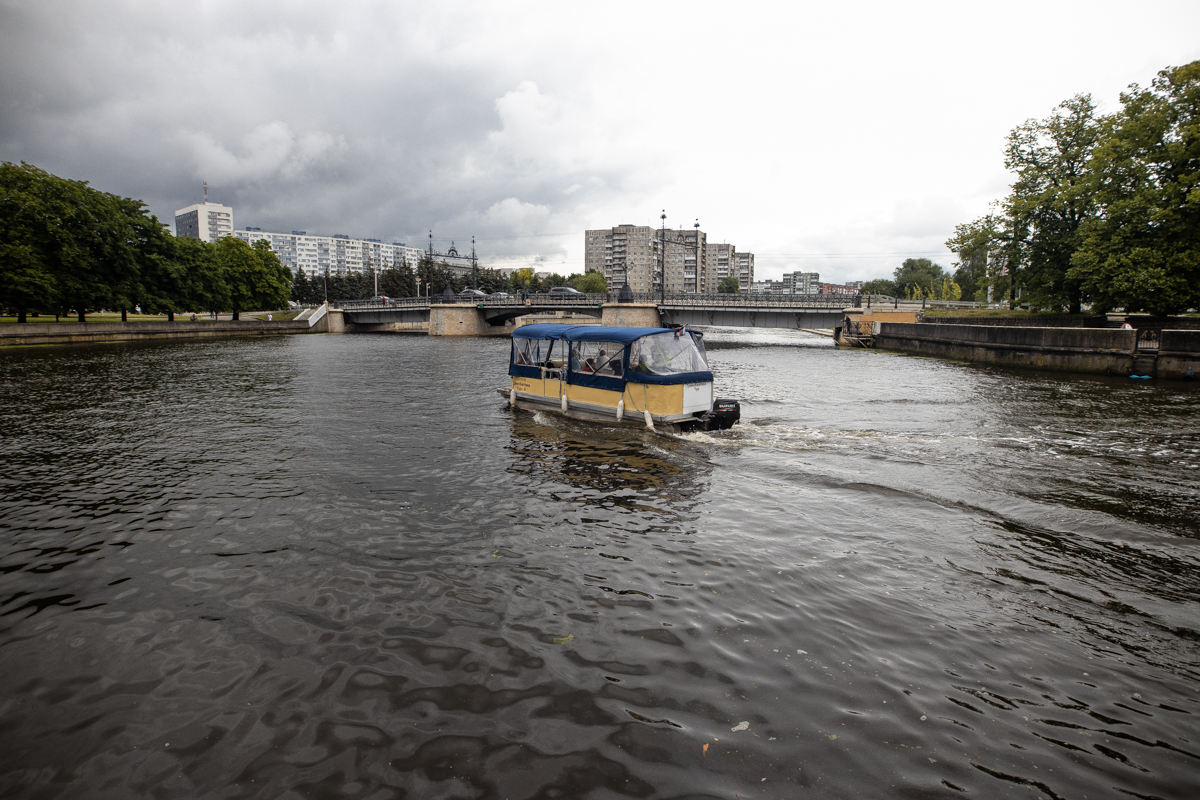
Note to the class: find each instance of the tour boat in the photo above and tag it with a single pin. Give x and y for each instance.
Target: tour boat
(657, 377)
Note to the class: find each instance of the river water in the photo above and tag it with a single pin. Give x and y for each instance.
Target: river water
(339, 567)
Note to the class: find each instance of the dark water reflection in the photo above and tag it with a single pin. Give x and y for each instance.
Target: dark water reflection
(338, 567)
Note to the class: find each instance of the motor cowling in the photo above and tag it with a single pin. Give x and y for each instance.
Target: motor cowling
(724, 414)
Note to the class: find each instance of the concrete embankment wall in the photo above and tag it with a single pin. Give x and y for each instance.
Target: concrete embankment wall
(1094, 321)
(1024, 322)
(1101, 350)
(84, 332)
(1179, 351)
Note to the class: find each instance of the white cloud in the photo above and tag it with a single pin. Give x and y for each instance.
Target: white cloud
(268, 151)
(805, 129)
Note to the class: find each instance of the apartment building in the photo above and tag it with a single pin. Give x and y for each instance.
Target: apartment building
(722, 263)
(631, 253)
(802, 282)
(205, 221)
(336, 255)
(624, 253)
(745, 271)
(686, 261)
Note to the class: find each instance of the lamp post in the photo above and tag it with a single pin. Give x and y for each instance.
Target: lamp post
(662, 258)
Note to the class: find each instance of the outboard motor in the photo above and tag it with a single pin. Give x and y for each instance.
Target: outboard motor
(722, 417)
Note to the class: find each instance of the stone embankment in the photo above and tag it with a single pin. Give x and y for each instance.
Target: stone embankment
(92, 332)
(1164, 354)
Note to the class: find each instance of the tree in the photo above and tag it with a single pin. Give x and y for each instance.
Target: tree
(523, 280)
(1051, 199)
(974, 242)
(1141, 251)
(879, 286)
(26, 280)
(728, 285)
(301, 288)
(946, 289)
(398, 282)
(915, 278)
(68, 246)
(592, 282)
(204, 283)
(255, 278)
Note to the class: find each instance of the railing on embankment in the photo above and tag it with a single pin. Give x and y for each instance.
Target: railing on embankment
(1098, 350)
(85, 332)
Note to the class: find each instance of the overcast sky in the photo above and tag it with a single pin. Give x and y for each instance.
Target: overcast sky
(831, 137)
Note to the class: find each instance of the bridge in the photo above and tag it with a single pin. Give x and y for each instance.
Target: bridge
(490, 315)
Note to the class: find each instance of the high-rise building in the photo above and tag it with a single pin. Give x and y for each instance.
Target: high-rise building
(334, 255)
(205, 221)
(631, 253)
(802, 282)
(686, 261)
(624, 253)
(722, 263)
(745, 271)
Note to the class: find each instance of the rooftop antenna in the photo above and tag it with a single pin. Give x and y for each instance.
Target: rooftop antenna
(206, 192)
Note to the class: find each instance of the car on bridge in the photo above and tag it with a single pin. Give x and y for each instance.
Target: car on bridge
(561, 290)
(471, 294)
(500, 296)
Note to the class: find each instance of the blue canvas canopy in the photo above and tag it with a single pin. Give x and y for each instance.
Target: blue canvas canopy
(584, 333)
(647, 355)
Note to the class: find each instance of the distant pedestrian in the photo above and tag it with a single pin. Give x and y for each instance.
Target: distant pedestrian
(268, 317)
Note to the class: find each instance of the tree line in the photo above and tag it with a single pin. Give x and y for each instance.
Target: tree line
(433, 278)
(1105, 208)
(66, 248)
(1104, 211)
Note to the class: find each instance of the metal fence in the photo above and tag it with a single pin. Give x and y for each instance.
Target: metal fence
(676, 299)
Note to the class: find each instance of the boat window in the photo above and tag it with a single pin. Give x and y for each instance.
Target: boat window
(698, 338)
(597, 358)
(531, 352)
(667, 353)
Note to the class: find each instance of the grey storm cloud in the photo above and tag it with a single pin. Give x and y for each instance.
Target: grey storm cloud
(379, 119)
(839, 137)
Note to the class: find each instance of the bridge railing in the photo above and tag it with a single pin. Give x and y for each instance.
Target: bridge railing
(673, 299)
(756, 300)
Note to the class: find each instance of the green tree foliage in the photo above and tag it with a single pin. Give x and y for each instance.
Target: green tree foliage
(728, 285)
(974, 242)
(916, 277)
(1141, 251)
(398, 282)
(880, 286)
(591, 282)
(28, 240)
(253, 275)
(1050, 199)
(435, 278)
(65, 246)
(1103, 209)
(523, 280)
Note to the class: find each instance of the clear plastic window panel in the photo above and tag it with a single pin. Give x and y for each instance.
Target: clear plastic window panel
(597, 358)
(531, 352)
(669, 353)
